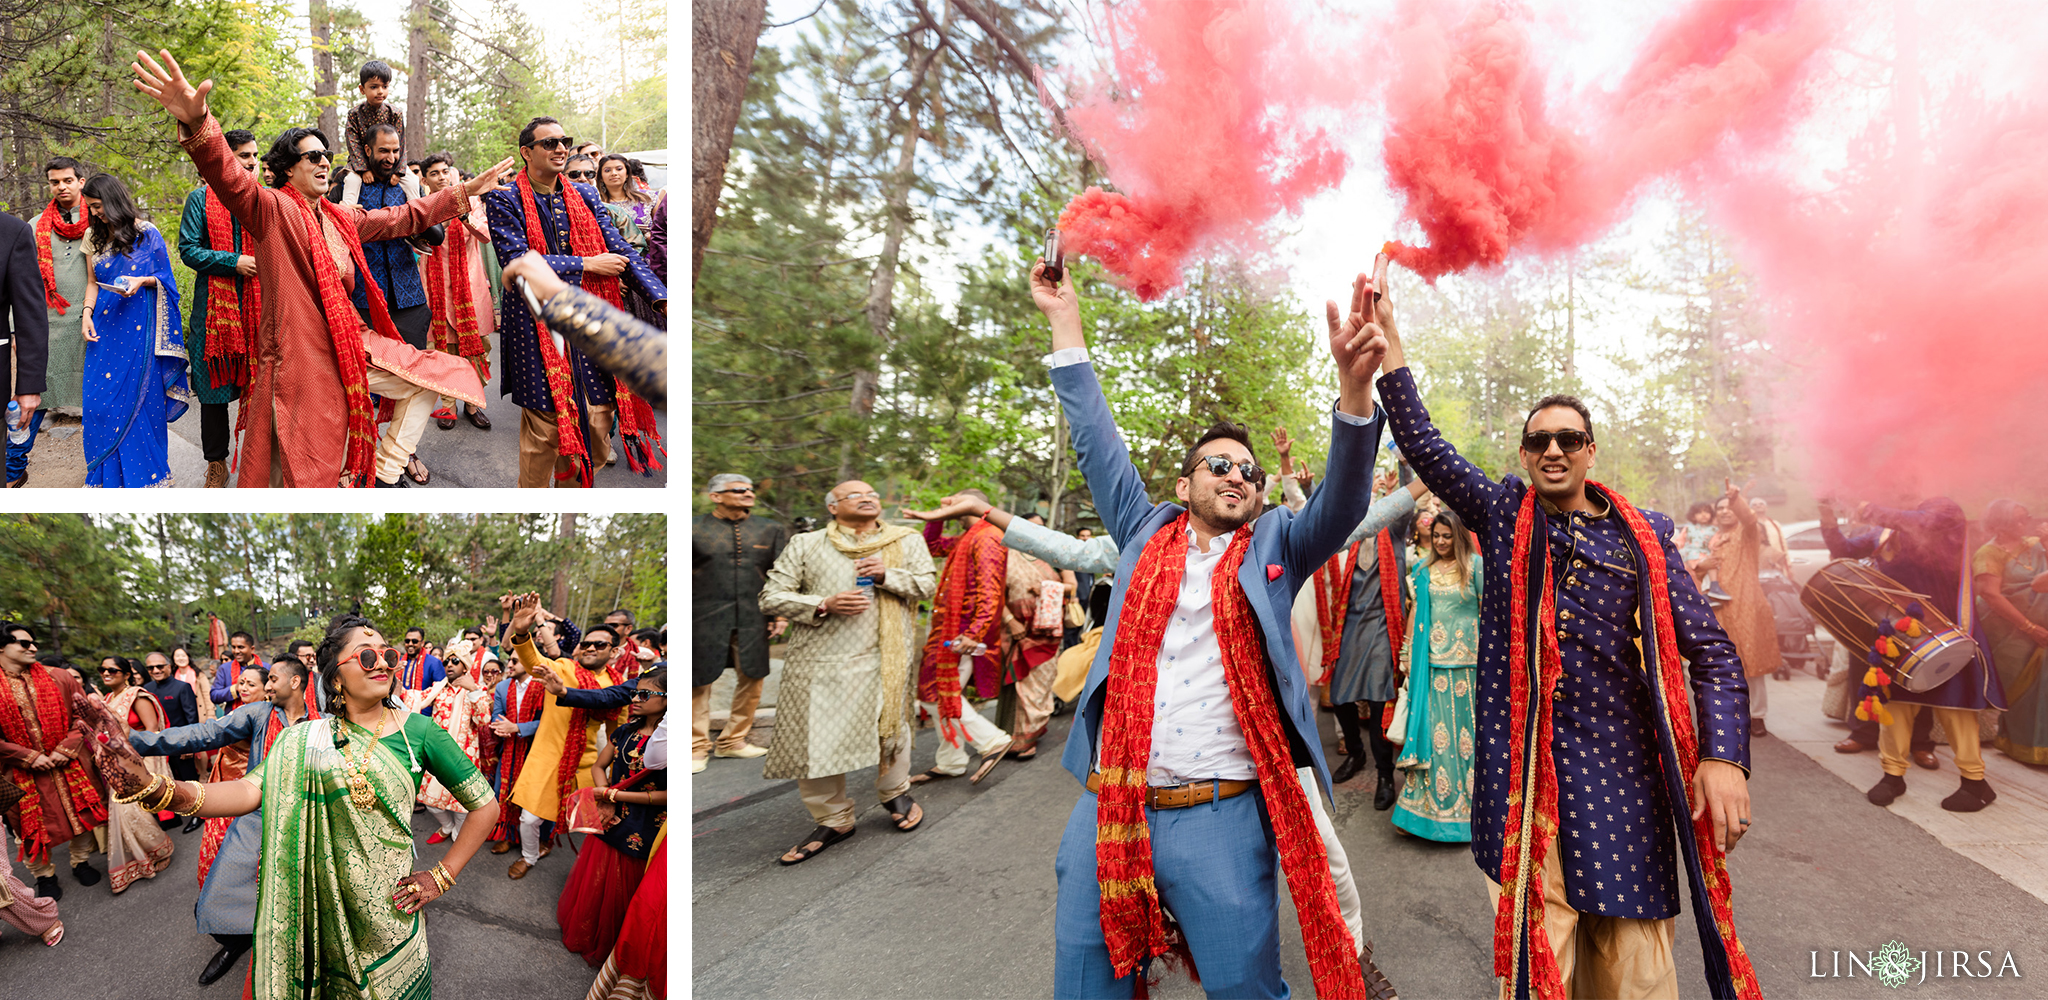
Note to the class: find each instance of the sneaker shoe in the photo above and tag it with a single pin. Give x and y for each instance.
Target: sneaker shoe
(1886, 792)
(745, 751)
(697, 765)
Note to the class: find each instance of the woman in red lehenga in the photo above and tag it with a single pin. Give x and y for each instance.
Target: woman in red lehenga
(462, 707)
(634, 797)
(137, 847)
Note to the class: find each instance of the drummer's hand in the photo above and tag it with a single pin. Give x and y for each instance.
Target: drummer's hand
(1720, 788)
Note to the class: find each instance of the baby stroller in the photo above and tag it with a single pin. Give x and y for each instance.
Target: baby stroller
(1795, 627)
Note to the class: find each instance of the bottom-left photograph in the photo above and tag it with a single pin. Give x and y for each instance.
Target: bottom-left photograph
(333, 755)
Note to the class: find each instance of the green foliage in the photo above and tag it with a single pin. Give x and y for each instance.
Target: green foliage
(94, 585)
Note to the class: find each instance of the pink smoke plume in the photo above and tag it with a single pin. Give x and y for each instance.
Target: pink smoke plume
(1485, 170)
(1917, 305)
(1218, 124)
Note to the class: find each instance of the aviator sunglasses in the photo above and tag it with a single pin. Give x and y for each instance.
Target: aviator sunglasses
(1220, 466)
(1538, 442)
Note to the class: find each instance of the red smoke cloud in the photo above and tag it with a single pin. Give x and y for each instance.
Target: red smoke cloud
(1484, 169)
(1220, 122)
(1916, 309)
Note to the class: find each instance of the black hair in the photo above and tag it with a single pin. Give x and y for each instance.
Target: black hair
(328, 653)
(651, 636)
(7, 630)
(1697, 509)
(284, 153)
(63, 163)
(238, 137)
(606, 629)
(634, 168)
(475, 630)
(289, 667)
(292, 649)
(659, 675)
(375, 69)
(116, 229)
(434, 159)
(526, 134)
(1221, 430)
(379, 129)
(244, 636)
(421, 631)
(633, 192)
(1560, 399)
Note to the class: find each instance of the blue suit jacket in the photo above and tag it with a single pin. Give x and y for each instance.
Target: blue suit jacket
(1296, 543)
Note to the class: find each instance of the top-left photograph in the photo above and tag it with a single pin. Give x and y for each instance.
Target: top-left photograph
(390, 244)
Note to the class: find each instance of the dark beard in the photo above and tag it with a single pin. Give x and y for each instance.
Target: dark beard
(1210, 509)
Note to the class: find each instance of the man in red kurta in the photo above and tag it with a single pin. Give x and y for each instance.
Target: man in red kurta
(968, 615)
(62, 798)
(307, 414)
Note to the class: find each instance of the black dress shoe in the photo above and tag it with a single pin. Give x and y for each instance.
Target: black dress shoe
(86, 874)
(1347, 770)
(475, 416)
(1383, 796)
(193, 824)
(222, 963)
(168, 824)
(49, 888)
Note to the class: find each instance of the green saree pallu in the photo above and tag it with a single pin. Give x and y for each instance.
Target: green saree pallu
(337, 838)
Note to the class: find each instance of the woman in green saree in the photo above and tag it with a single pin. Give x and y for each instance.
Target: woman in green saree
(2011, 573)
(339, 899)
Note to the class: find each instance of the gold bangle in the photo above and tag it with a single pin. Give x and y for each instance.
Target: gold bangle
(441, 877)
(146, 790)
(201, 801)
(164, 802)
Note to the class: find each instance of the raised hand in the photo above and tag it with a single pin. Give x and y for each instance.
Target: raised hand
(488, 180)
(107, 737)
(525, 608)
(950, 507)
(169, 87)
(1358, 344)
(1281, 442)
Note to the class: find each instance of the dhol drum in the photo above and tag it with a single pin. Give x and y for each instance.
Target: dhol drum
(1892, 628)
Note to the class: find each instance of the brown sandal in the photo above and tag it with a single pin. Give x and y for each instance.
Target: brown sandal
(989, 761)
(417, 470)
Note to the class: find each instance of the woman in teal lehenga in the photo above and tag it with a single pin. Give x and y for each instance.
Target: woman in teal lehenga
(338, 911)
(2011, 572)
(1443, 654)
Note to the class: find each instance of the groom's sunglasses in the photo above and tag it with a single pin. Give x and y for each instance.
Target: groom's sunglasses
(1538, 442)
(1220, 466)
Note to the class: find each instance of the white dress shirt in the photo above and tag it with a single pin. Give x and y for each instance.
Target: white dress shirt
(1195, 736)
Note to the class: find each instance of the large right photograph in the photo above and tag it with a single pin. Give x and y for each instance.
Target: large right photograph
(1368, 498)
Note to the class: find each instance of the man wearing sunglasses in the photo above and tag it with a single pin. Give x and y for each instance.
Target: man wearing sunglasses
(731, 552)
(1196, 713)
(316, 361)
(63, 799)
(564, 735)
(420, 669)
(568, 404)
(1587, 595)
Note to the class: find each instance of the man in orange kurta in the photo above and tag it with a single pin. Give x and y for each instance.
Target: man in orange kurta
(297, 411)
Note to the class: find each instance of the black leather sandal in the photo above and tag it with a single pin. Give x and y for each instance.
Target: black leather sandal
(823, 836)
(899, 811)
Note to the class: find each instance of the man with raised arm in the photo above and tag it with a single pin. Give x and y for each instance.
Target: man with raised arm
(316, 362)
(1195, 699)
(1609, 700)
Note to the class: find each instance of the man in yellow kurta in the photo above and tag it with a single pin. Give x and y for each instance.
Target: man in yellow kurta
(564, 733)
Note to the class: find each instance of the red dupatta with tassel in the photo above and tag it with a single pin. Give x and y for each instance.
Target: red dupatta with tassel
(230, 321)
(1133, 924)
(1522, 951)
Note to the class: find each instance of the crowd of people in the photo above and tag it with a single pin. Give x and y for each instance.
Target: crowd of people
(1530, 664)
(302, 776)
(341, 312)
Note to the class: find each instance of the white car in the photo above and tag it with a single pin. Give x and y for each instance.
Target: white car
(1808, 552)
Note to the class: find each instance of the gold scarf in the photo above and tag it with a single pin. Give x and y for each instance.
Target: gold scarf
(894, 638)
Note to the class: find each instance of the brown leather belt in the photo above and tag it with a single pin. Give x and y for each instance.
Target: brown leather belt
(1183, 796)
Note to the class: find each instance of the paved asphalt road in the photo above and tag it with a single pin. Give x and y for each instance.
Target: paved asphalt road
(462, 456)
(963, 906)
(490, 938)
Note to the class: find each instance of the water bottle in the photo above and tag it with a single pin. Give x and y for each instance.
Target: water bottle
(866, 585)
(17, 424)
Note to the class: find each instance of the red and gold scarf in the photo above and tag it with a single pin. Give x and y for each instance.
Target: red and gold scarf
(577, 739)
(1532, 776)
(230, 320)
(524, 698)
(637, 435)
(455, 326)
(942, 687)
(1133, 924)
(53, 721)
(359, 464)
(1332, 583)
(53, 220)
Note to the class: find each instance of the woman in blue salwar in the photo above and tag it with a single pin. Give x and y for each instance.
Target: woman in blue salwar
(135, 368)
(1443, 651)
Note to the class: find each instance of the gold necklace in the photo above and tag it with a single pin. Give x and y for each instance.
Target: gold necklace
(360, 794)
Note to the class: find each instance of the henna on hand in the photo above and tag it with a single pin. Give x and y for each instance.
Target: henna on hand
(414, 891)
